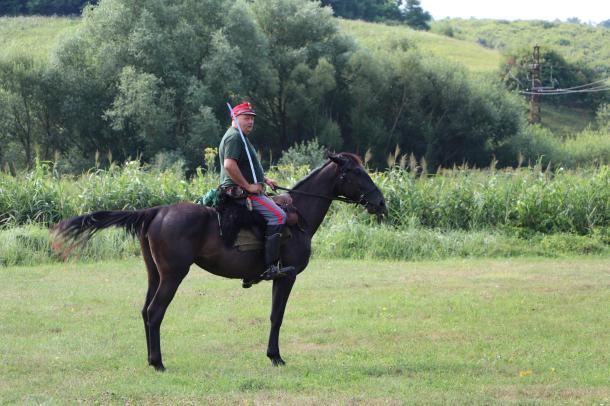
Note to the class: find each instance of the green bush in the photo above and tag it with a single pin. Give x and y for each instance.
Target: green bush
(586, 148)
(307, 153)
(538, 145)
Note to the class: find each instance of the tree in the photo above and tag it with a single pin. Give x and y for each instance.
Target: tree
(30, 101)
(150, 76)
(369, 10)
(138, 79)
(305, 56)
(415, 16)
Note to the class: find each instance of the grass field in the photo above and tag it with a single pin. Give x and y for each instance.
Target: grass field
(456, 332)
(576, 42)
(34, 36)
(383, 37)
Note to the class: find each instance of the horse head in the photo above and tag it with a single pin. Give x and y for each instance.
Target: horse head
(354, 183)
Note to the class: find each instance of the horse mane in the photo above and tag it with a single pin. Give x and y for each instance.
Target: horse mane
(353, 157)
(311, 174)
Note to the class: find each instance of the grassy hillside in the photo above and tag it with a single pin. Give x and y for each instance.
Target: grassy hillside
(37, 35)
(464, 48)
(32, 35)
(576, 42)
(378, 36)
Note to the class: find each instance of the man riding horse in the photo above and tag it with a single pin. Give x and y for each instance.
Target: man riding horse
(242, 176)
(175, 236)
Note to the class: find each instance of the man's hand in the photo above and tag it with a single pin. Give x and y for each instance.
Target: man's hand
(235, 174)
(271, 182)
(254, 188)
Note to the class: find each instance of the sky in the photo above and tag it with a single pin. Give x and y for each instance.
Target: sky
(593, 11)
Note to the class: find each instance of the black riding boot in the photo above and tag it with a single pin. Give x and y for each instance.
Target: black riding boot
(273, 269)
(272, 255)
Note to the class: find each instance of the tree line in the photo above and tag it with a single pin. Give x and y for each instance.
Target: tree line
(152, 78)
(43, 7)
(407, 11)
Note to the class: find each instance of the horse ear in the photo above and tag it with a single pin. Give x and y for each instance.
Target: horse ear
(339, 160)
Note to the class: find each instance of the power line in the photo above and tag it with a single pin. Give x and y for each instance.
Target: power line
(588, 84)
(562, 91)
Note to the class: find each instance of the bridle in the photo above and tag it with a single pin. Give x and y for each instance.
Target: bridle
(362, 199)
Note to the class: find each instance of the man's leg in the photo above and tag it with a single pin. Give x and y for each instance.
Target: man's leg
(276, 219)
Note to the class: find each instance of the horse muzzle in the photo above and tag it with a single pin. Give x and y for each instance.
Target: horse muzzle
(378, 208)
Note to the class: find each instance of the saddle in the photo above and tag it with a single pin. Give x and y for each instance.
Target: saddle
(244, 228)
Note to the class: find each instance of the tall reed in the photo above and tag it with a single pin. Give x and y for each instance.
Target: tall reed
(523, 200)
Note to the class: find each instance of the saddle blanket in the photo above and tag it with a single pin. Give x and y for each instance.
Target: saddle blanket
(247, 240)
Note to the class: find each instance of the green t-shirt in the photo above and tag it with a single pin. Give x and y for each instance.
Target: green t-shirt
(231, 146)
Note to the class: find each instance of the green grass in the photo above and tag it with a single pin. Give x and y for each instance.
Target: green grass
(383, 37)
(576, 42)
(31, 245)
(34, 36)
(565, 121)
(459, 332)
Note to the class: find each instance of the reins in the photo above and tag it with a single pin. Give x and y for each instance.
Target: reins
(340, 198)
(361, 201)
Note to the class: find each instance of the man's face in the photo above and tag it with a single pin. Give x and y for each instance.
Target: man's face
(246, 122)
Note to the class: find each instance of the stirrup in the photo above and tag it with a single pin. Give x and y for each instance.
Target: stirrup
(275, 272)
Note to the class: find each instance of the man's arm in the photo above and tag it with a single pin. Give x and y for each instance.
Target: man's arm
(233, 171)
(272, 183)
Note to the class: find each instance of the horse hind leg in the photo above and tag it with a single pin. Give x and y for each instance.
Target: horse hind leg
(153, 285)
(168, 285)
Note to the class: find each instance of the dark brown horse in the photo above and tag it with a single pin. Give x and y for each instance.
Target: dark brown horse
(176, 236)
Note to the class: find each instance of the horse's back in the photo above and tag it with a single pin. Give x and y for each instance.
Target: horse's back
(179, 230)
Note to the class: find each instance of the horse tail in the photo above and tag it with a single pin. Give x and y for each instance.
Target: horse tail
(78, 230)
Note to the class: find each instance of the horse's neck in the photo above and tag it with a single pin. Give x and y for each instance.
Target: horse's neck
(313, 208)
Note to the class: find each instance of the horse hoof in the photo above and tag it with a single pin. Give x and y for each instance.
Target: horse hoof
(277, 361)
(158, 367)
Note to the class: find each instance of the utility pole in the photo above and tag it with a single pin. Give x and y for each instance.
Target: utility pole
(534, 115)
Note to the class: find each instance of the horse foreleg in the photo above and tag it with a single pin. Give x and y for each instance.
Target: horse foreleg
(281, 292)
(155, 312)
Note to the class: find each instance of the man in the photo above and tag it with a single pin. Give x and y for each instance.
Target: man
(236, 171)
